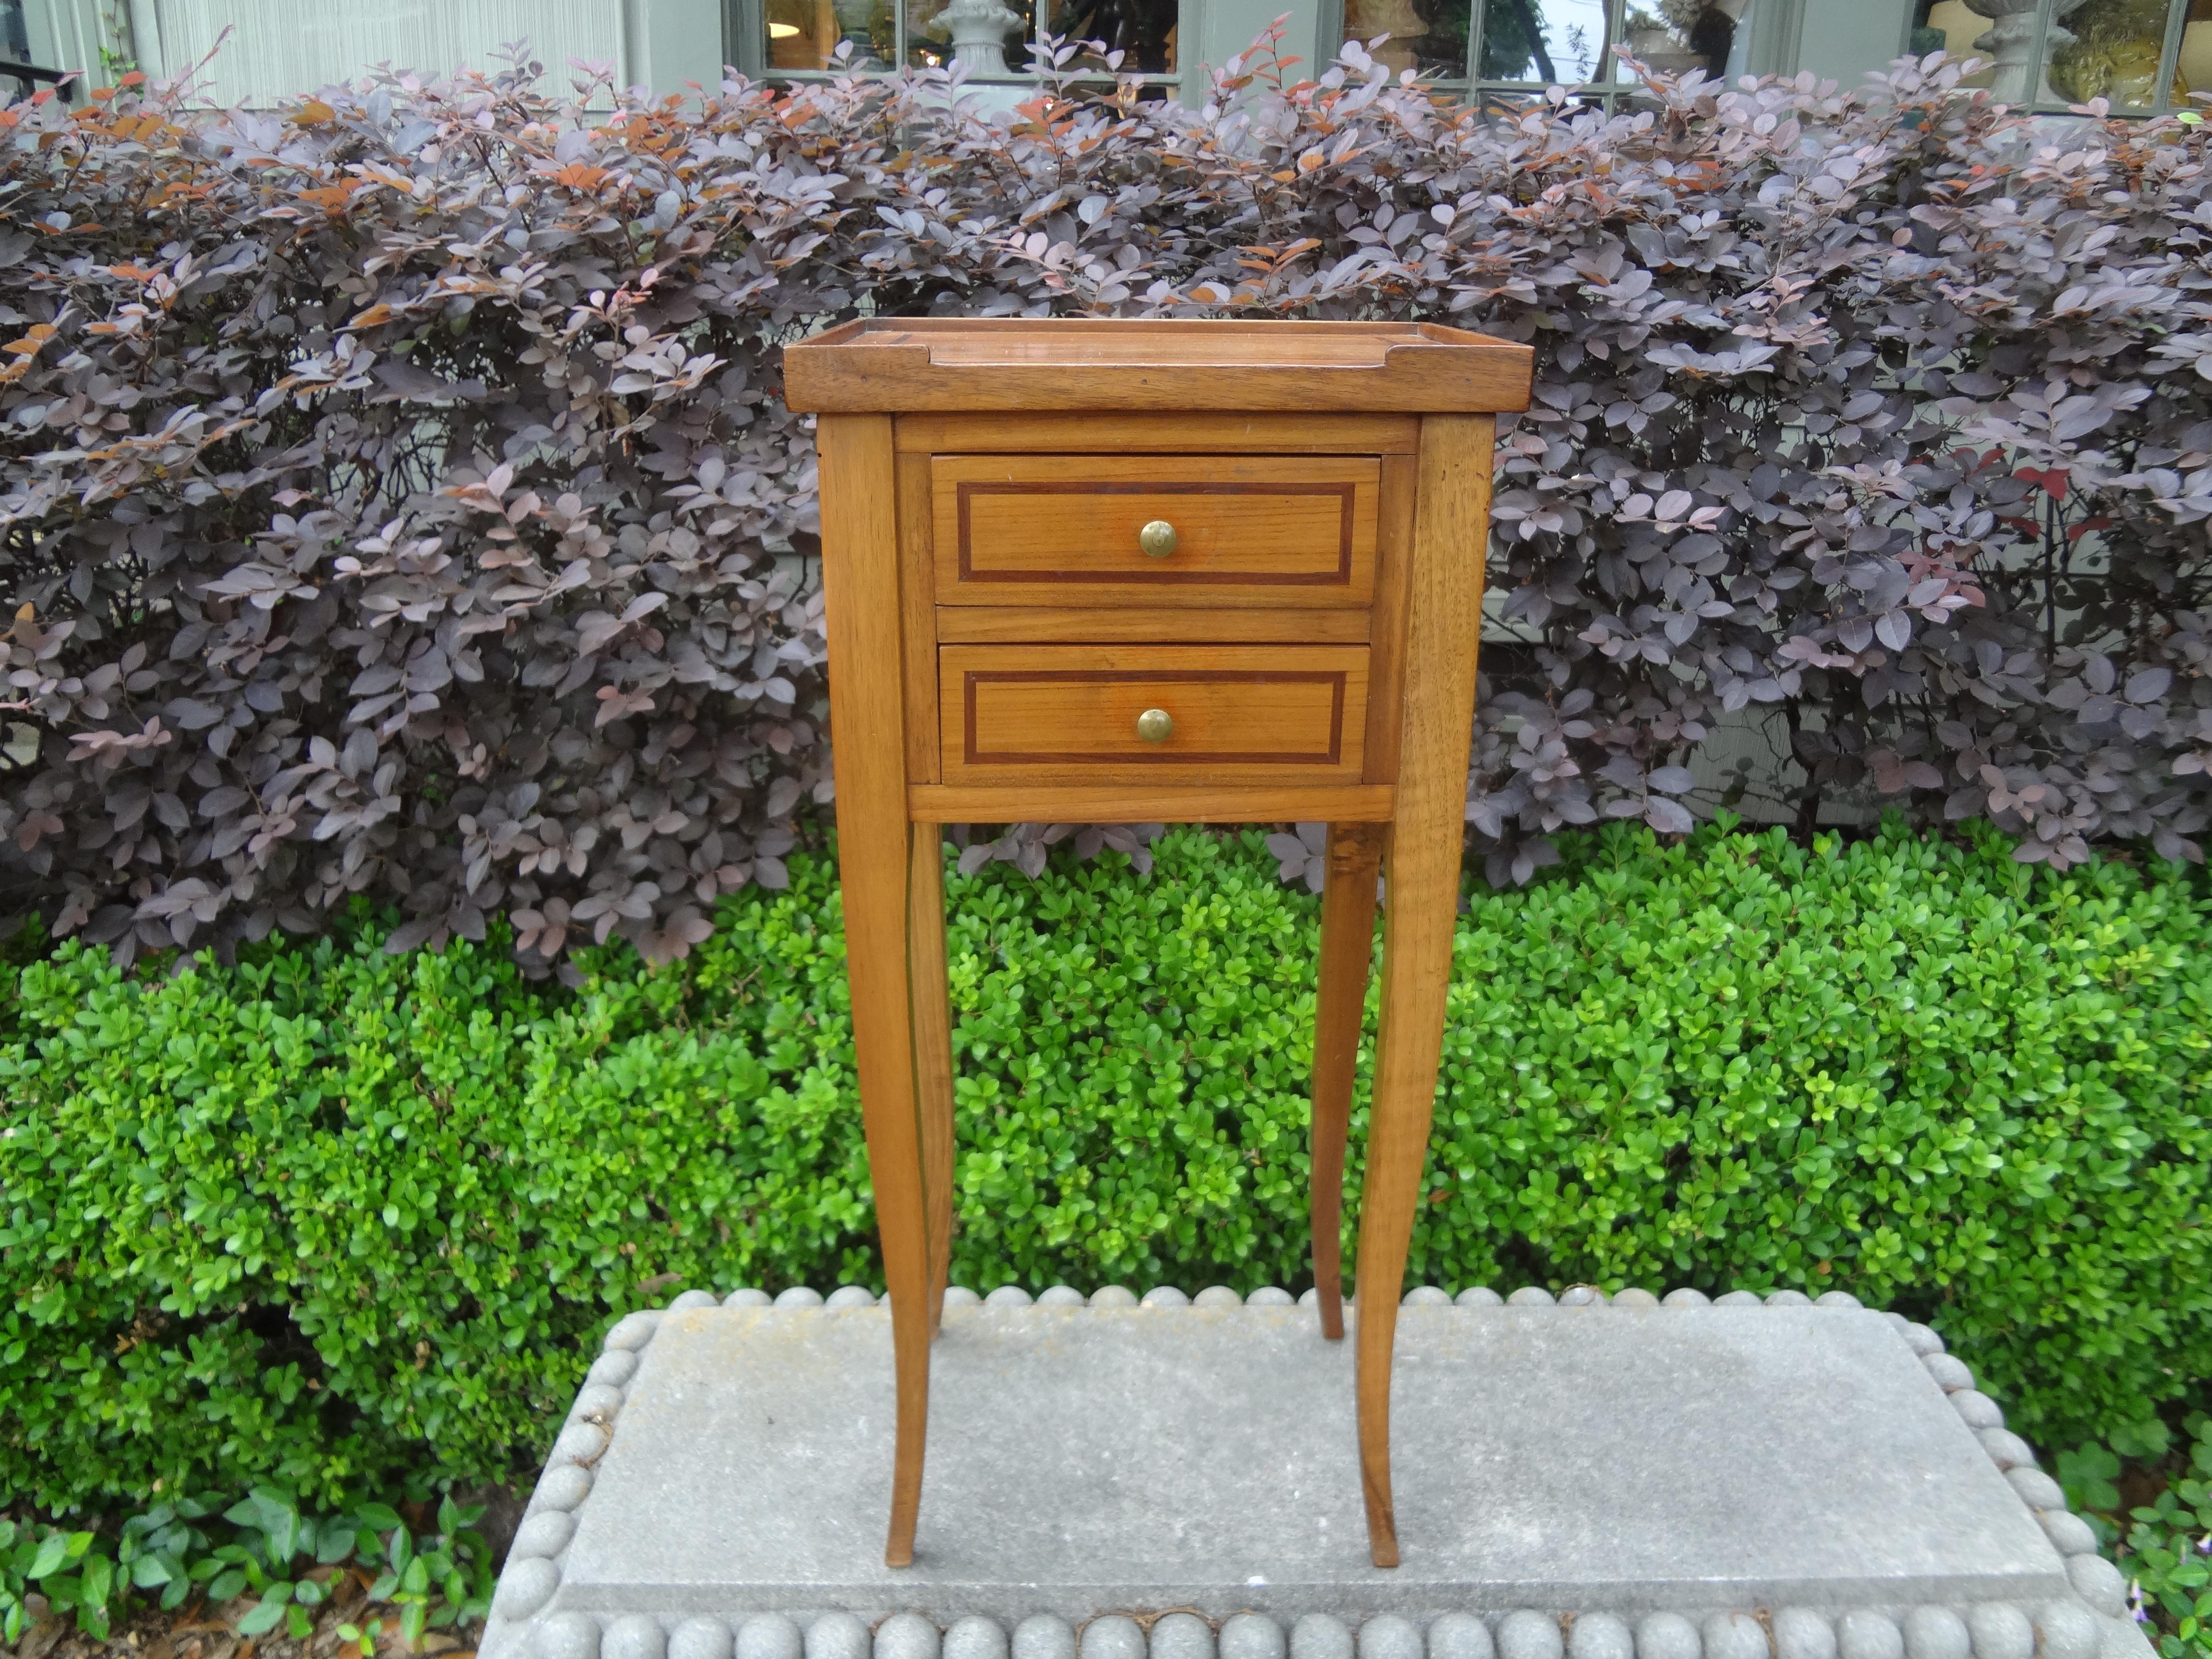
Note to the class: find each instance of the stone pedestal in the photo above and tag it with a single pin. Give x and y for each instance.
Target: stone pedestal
(1622, 1481)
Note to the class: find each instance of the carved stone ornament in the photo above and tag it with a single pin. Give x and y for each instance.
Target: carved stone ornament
(2011, 42)
(978, 30)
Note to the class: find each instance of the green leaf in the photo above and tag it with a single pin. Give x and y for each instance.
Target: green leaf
(280, 1522)
(53, 1554)
(225, 1585)
(1899, 1065)
(2143, 1441)
(2088, 1474)
(262, 1617)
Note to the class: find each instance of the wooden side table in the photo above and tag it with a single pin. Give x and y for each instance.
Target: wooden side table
(1120, 571)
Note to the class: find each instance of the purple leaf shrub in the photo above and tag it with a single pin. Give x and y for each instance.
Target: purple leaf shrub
(399, 502)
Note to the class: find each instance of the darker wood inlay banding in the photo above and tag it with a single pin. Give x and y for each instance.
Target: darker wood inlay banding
(974, 756)
(966, 491)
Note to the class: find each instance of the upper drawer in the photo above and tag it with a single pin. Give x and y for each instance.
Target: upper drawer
(1247, 530)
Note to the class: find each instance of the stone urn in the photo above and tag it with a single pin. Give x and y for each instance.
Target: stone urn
(978, 30)
(2010, 43)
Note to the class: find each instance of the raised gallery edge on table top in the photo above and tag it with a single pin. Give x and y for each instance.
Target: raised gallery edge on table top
(891, 364)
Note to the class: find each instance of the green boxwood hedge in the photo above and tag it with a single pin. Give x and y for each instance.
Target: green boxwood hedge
(330, 1217)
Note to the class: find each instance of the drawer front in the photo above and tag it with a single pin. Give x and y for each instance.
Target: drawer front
(1076, 714)
(1067, 530)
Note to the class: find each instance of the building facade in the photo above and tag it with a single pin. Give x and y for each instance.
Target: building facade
(2144, 56)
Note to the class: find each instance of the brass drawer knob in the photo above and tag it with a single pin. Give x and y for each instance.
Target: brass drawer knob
(1154, 725)
(1158, 539)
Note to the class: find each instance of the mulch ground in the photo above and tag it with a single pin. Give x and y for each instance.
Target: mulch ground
(197, 1632)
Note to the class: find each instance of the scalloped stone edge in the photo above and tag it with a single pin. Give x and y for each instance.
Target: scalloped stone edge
(525, 1623)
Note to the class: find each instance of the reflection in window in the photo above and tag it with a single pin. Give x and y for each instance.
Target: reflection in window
(1552, 42)
(2111, 49)
(1142, 31)
(1677, 36)
(989, 38)
(1426, 36)
(1948, 25)
(993, 40)
(801, 33)
(1530, 42)
(2194, 64)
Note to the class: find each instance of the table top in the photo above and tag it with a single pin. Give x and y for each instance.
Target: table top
(892, 365)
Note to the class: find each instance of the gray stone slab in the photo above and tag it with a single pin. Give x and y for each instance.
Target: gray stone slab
(1088, 1459)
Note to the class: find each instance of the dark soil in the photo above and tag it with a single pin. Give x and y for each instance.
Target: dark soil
(196, 1631)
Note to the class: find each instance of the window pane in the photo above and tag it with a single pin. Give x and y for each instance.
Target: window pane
(990, 37)
(1948, 27)
(2106, 49)
(1677, 36)
(2196, 65)
(803, 34)
(1554, 42)
(1426, 36)
(1143, 31)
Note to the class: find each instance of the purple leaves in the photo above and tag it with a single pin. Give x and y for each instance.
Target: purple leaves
(425, 528)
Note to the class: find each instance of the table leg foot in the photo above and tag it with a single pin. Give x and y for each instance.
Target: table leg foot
(1422, 860)
(911, 1340)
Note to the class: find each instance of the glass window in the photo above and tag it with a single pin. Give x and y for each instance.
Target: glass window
(1521, 42)
(990, 39)
(2141, 56)
(1142, 31)
(993, 39)
(801, 33)
(1678, 36)
(2193, 63)
(2110, 49)
(1429, 37)
(1544, 42)
(1520, 45)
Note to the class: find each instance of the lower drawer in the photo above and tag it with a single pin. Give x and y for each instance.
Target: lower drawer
(1152, 714)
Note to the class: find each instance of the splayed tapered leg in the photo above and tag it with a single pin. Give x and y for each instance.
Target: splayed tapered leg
(1347, 944)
